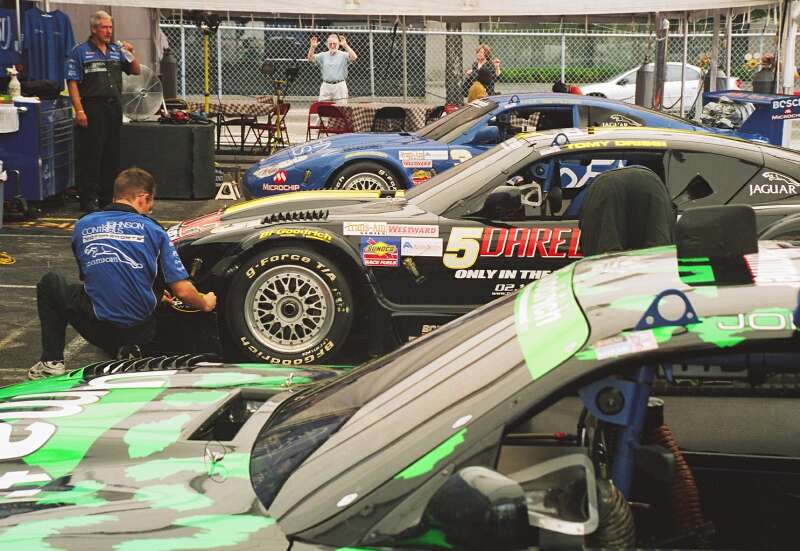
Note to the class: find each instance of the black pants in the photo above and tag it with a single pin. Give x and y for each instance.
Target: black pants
(60, 303)
(98, 150)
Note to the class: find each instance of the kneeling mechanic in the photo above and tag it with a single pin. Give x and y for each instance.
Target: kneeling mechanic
(126, 262)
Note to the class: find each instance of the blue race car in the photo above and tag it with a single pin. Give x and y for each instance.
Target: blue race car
(389, 161)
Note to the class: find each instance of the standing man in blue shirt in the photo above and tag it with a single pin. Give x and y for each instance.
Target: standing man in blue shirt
(94, 80)
(333, 65)
(126, 261)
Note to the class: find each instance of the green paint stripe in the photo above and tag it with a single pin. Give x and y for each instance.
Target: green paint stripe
(44, 386)
(75, 434)
(550, 324)
(149, 438)
(427, 462)
(31, 534)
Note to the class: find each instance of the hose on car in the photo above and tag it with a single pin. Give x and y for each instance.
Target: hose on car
(687, 514)
(616, 529)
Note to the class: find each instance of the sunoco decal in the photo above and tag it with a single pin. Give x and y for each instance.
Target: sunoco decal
(466, 245)
(380, 251)
(550, 325)
(425, 155)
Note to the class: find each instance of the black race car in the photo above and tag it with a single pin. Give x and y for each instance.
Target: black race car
(628, 400)
(297, 280)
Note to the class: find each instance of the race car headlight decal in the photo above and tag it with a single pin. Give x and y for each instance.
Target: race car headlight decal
(550, 324)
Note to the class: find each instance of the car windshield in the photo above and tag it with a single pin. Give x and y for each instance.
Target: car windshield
(455, 124)
(441, 191)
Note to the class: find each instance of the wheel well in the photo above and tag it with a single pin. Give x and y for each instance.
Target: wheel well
(354, 274)
(402, 182)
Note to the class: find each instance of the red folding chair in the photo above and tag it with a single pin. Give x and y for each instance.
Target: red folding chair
(313, 110)
(333, 120)
(270, 127)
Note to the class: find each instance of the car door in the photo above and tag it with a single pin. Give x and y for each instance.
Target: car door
(672, 85)
(623, 88)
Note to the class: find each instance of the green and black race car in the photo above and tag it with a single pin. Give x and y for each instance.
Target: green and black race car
(636, 399)
(304, 278)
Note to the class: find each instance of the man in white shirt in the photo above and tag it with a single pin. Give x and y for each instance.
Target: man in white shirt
(333, 65)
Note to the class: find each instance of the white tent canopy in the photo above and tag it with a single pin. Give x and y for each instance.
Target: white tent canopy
(451, 8)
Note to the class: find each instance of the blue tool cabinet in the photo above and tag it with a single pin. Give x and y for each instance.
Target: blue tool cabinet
(42, 151)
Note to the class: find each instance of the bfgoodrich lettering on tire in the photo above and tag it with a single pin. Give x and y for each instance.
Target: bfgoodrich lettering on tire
(289, 306)
(365, 175)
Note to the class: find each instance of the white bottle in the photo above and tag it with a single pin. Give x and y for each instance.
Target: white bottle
(128, 55)
(14, 88)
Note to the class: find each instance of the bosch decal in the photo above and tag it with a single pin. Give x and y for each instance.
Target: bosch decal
(783, 109)
(380, 251)
(466, 245)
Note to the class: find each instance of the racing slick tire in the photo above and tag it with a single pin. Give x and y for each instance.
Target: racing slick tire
(365, 175)
(290, 306)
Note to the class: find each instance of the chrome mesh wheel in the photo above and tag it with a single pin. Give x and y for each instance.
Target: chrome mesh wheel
(365, 181)
(289, 309)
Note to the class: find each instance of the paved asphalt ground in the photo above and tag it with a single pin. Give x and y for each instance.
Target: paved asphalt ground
(39, 246)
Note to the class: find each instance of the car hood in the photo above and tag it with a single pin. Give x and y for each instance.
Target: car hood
(97, 460)
(336, 145)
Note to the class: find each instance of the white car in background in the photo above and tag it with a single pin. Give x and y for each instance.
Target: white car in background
(623, 87)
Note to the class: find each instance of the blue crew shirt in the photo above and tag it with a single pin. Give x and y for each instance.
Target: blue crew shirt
(124, 259)
(8, 41)
(98, 74)
(47, 40)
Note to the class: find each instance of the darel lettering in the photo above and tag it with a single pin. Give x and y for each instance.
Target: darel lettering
(466, 245)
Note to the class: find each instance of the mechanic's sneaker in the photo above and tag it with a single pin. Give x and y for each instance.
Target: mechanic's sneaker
(129, 352)
(46, 369)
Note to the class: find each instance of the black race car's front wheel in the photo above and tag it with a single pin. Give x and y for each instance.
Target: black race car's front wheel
(289, 306)
(365, 175)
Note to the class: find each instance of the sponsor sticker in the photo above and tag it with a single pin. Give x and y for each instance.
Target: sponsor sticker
(236, 226)
(423, 155)
(466, 245)
(630, 343)
(319, 235)
(280, 177)
(380, 251)
(420, 176)
(614, 143)
(421, 246)
(269, 170)
(778, 185)
(384, 228)
(280, 187)
(784, 109)
(417, 163)
(619, 120)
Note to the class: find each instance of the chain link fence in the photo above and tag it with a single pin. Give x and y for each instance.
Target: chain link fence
(411, 65)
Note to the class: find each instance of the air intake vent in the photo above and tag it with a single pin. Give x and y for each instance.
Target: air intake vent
(155, 363)
(296, 216)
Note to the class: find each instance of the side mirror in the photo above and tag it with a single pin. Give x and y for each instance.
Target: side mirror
(501, 201)
(561, 494)
(622, 82)
(487, 135)
(478, 509)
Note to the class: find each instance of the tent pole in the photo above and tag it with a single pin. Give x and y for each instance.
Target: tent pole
(685, 55)
(712, 85)
(19, 26)
(728, 38)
